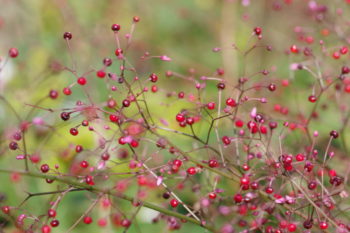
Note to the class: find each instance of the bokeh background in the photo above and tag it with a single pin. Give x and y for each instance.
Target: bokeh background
(185, 30)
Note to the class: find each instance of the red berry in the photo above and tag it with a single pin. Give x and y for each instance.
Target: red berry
(231, 102)
(269, 189)
(294, 49)
(211, 105)
(226, 140)
(292, 227)
(125, 223)
(299, 157)
(174, 203)
(74, 131)
(213, 163)
(272, 87)
(191, 171)
(13, 145)
(238, 198)
(136, 19)
(87, 220)
(84, 164)
(212, 195)
(45, 229)
(81, 81)
(190, 120)
(153, 78)
(312, 98)
(101, 73)
(51, 213)
(5, 209)
(134, 143)
(113, 118)
(115, 27)
(334, 134)
(65, 116)
(177, 162)
(44, 168)
(323, 225)
(257, 31)
(118, 51)
(78, 148)
(180, 117)
(245, 180)
(54, 223)
(13, 52)
(67, 36)
(67, 91)
(126, 103)
(53, 94)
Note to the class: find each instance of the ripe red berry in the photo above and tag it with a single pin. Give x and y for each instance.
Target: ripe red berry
(238, 198)
(115, 27)
(13, 52)
(65, 116)
(221, 86)
(84, 164)
(118, 51)
(211, 105)
(153, 77)
(257, 31)
(294, 49)
(54, 223)
(134, 143)
(226, 140)
(174, 203)
(292, 227)
(231, 102)
(334, 134)
(191, 171)
(136, 19)
(45, 229)
(74, 131)
(312, 98)
(177, 162)
(87, 220)
(345, 70)
(126, 103)
(53, 94)
(81, 81)
(272, 87)
(5, 209)
(44, 168)
(180, 117)
(125, 223)
(245, 180)
(300, 157)
(113, 118)
(67, 91)
(67, 36)
(269, 189)
(323, 225)
(51, 213)
(78, 148)
(213, 163)
(13, 145)
(190, 120)
(312, 185)
(101, 73)
(212, 195)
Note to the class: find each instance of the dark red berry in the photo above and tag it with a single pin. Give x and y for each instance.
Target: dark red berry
(54, 223)
(44, 168)
(65, 116)
(115, 27)
(334, 134)
(13, 145)
(126, 103)
(53, 94)
(51, 213)
(74, 131)
(13, 52)
(67, 36)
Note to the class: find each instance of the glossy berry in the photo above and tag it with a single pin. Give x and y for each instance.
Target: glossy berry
(118, 52)
(53, 94)
(323, 225)
(226, 140)
(238, 198)
(115, 27)
(81, 81)
(74, 131)
(126, 103)
(136, 19)
(67, 36)
(312, 185)
(153, 78)
(87, 220)
(45, 229)
(44, 168)
(257, 31)
(191, 171)
(308, 223)
(180, 117)
(54, 223)
(78, 148)
(334, 134)
(231, 102)
(269, 190)
(299, 157)
(13, 52)
(65, 116)
(51, 213)
(312, 98)
(213, 163)
(174, 203)
(221, 86)
(294, 49)
(212, 195)
(67, 91)
(13, 145)
(84, 164)
(5, 209)
(211, 105)
(292, 227)
(125, 223)
(272, 87)
(113, 118)
(101, 73)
